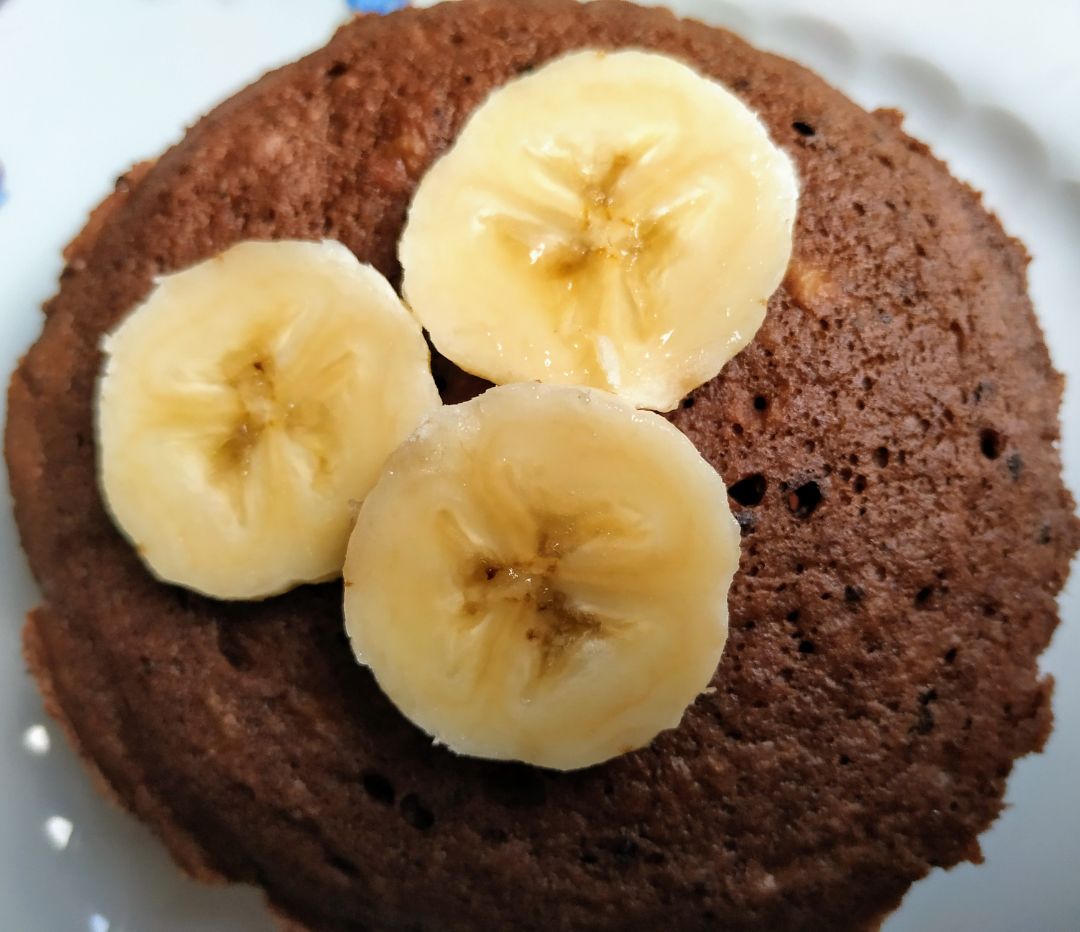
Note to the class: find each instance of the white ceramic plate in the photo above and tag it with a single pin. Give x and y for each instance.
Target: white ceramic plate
(89, 86)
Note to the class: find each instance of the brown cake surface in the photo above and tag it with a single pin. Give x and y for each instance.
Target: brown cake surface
(888, 439)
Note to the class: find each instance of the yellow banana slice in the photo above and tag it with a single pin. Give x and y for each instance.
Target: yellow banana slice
(541, 574)
(613, 220)
(243, 406)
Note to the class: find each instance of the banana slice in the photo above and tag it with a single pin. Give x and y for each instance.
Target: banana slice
(613, 219)
(243, 406)
(541, 574)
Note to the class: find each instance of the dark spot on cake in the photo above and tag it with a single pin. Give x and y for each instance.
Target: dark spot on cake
(495, 836)
(804, 500)
(990, 443)
(859, 485)
(625, 849)
(806, 647)
(186, 600)
(749, 491)
(803, 128)
(881, 456)
(688, 402)
(344, 865)
(924, 722)
(416, 813)
(1015, 464)
(958, 333)
(516, 786)
(378, 787)
(859, 209)
(232, 648)
(853, 594)
(747, 522)
(336, 70)
(761, 403)
(922, 597)
(950, 655)
(1045, 535)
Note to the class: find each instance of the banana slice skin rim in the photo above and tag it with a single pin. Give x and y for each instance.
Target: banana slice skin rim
(541, 574)
(246, 405)
(612, 219)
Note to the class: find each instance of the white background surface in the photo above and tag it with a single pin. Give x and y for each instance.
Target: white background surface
(89, 86)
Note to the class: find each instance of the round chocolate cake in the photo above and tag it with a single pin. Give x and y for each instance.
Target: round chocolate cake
(887, 439)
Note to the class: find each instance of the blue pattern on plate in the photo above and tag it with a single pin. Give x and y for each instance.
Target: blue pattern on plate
(375, 6)
(3, 190)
